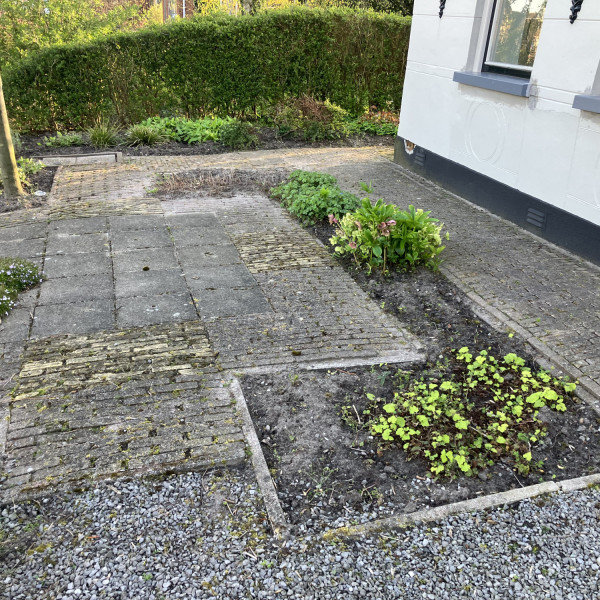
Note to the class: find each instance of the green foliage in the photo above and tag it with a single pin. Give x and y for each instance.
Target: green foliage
(188, 131)
(16, 275)
(309, 119)
(238, 134)
(214, 65)
(27, 27)
(376, 122)
(62, 140)
(103, 135)
(26, 167)
(382, 235)
(145, 135)
(312, 197)
(486, 409)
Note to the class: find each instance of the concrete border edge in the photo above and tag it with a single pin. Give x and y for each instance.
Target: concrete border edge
(277, 518)
(466, 506)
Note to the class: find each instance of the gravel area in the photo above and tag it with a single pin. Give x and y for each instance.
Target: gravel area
(205, 536)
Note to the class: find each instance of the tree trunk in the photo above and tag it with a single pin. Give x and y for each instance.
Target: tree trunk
(8, 163)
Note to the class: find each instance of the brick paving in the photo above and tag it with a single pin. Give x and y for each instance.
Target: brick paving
(120, 362)
(148, 305)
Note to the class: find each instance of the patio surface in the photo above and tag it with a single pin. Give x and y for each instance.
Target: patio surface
(120, 361)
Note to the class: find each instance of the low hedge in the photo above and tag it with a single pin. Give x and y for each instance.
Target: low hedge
(217, 64)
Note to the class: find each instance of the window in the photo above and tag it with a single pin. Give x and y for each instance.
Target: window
(514, 36)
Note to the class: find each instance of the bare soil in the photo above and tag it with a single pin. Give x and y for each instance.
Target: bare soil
(40, 181)
(33, 145)
(328, 469)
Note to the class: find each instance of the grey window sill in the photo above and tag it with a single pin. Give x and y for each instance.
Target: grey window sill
(516, 86)
(589, 103)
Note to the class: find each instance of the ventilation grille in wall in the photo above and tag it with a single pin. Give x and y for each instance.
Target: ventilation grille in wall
(536, 218)
(419, 156)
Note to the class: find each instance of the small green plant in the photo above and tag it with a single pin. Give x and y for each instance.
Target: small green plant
(188, 131)
(379, 235)
(486, 409)
(62, 140)
(103, 135)
(313, 197)
(145, 135)
(16, 275)
(26, 167)
(237, 135)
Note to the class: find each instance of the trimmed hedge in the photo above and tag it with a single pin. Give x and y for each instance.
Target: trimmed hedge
(217, 64)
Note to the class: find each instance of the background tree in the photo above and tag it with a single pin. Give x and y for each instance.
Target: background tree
(8, 163)
(29, 25)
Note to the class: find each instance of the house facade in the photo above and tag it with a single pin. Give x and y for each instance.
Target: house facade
(501, 104)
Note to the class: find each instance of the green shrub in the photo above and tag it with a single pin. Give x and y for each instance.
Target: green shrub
(188, 131)
(145, 135)
(313, 197)
(382, 235)
(16, 275)
(221, 65)
(309, 119)
(103, 135)
(485, 410)
(62, 140)
(238, 134)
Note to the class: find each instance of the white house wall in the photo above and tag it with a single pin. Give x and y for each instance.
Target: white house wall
(539, 145)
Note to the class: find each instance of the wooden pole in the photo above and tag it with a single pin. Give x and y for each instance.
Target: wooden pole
(8, 163)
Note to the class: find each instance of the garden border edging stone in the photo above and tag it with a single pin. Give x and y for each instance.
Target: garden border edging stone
(466, 506)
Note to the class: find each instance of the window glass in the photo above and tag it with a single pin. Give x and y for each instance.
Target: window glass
(515, 32)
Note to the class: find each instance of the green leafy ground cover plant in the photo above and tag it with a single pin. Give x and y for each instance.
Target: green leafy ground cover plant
(188, 131)
(16, 275)
(381, 235)
(63, 140)
(313, 197)
(486, 409)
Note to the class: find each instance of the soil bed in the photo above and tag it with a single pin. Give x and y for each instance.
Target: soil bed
(40, 181)
(33, 145)
(331, 473)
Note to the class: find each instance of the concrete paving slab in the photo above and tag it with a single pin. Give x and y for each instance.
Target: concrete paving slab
(23, 232)
(122, 241)
(59, 243)
(199, 236)
(33, 248)
(205, 219)
(80, 317)
(225, 302)
(228, 277)
(208, 256)
(150, 310)
(148, 259)
(136, 222)
(80, 226)
(76, 289)
(75, 265)
(15, 326)
(149, 283)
